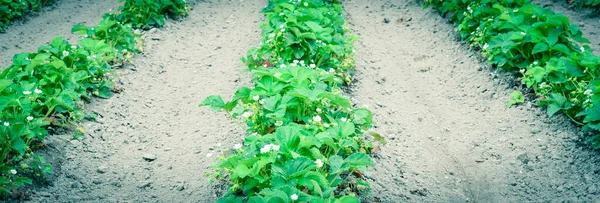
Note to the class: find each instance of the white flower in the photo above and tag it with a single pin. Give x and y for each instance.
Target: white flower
(319, 163)
(319, 110)
(13, 171)
(522, 70)
(280, 14)
(37, 91)
(6, 123)
(312, 65)
(485, 46)
(523, 33)
(535, 63)
(302, 62)
(344, 119)
(279, 123)
(65, 53)
(29, 118)
(265, 149)
(587, 92)
(282, 30)
(331, 70)
(27, 92)
(271, 35)
(295, 61)
(275, 147)
(317, 119)
(305, 4)
(237, 146)
(281, 26)
(294, 197)
(247, 114)
(533, 16)
(73, 47)
(262, 101)
(582, 49)
(256, 98)
(326, 125)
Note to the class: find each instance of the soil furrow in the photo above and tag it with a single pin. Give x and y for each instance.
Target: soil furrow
(152, 143)
(451, 136)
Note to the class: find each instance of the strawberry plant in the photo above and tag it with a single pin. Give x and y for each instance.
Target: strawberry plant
(305, 142)
(543, 48)
(14, 9)
(146, 14)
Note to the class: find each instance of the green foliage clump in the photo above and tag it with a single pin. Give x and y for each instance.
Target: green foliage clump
(146, 14)
(14, 9)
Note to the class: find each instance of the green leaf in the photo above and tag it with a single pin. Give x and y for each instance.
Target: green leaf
(592, 114)
(347, 128)
(19, 146)
(539, 47)
(241, 171)
(347, 199)
(79, 29)
(4, 84)
(516, 97)
(337, 165)
(314, 26)
(379, 138)
(215, 102)
(562, 48)
(358, 159)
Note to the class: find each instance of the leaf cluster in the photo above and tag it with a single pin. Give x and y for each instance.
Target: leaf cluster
(146, 14)
(15, 9)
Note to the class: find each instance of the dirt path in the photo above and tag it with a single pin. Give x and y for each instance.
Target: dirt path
(56, 20)
(152, 143)
(451, 137)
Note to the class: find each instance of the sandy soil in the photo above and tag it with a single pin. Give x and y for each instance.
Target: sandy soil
(28, 34)
(451, 136)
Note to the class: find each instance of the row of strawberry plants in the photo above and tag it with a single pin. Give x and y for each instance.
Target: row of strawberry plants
(586, 3)
(46, 89)
(15, 9)
(305, 142)
(543, 48)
